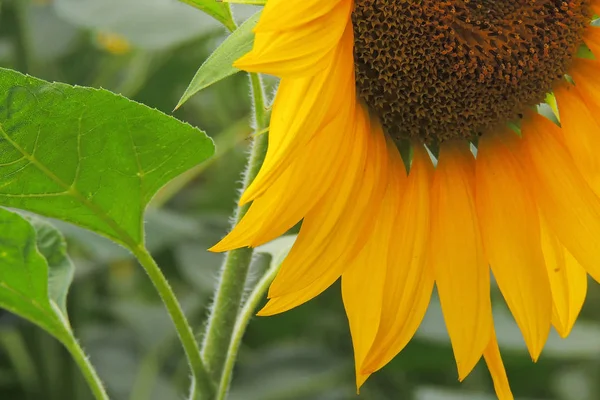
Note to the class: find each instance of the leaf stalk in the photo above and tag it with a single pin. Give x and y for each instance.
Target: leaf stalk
(202, 386)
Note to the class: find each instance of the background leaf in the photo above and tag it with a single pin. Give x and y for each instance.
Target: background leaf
(216, 9)
(88, 156)
(220, 63)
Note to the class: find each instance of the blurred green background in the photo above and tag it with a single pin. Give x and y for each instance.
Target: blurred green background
(149, 50)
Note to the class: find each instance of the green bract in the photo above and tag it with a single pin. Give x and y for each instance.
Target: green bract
(220, 64)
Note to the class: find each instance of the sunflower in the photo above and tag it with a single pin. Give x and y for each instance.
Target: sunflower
(489, 181)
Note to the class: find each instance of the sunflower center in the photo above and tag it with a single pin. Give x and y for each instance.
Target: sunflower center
(442, 69)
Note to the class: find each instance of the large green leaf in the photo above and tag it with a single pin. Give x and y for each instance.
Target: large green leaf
(220, 63)
(88, 156)
(24, 272)
(216, 9)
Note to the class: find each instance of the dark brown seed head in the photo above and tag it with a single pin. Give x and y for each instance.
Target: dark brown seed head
(441, 69)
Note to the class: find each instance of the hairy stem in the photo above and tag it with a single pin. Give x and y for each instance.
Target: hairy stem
(230, 289)
(240, 327)
(202, 386)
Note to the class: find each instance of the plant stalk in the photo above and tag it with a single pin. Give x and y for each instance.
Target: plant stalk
(202, 386)
(82, 361)
(230, 289)
(240, 327)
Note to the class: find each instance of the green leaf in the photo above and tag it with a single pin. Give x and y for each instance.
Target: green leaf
(216, 9)
(220, 63)
(24, 276)
(34, 289)
(88, 156)
(52, 245)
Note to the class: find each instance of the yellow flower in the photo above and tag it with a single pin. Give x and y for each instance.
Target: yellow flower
(360, 77)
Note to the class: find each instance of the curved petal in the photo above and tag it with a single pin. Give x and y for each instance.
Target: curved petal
(298, 189)
(509, 224)
(363, 282)
(409, 281)
(596, 6)
(591, 37)
(339, 226)
(303, 108)
(461, 273)
(315, 236)
(568, 281)
(493, 359)
(581, 128)
(277, 305)
(297, 50)
(566, 201)
(281, 15)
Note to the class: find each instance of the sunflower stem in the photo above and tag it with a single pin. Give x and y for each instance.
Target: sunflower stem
(239, 329)
(230, 289)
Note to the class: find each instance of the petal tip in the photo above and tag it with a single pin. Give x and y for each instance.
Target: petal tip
(245, 62)
(217, 248)
(264, 312)
(271, 308)
(361, 378)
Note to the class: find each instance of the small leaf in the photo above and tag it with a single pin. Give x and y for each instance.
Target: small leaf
(220, 64)
(51, 243)
(88, 156)
(24, 276)
(216, 9)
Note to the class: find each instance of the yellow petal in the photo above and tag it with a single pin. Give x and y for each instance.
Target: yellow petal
(318, 229)
(581, 128)
(303, 108)
(596, 6)
(298, 189)
(277, 305)
(409, 282)
(363, 282)
(291, 14)
(509, 224)
(461, 272)
(298, 51)
(591, 38)
(566, 201)
(568, 281)
(493, 359)
(339, 226)
(321, 252)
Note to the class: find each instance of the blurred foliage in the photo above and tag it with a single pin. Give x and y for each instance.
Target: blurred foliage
(149, 51)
